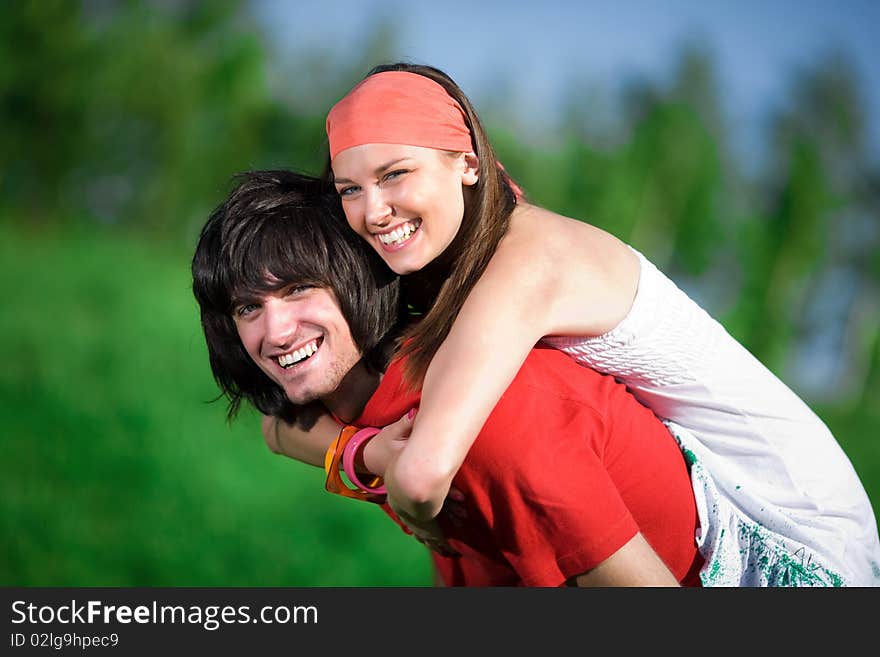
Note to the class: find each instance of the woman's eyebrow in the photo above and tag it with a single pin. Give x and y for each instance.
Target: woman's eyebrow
(379, 169)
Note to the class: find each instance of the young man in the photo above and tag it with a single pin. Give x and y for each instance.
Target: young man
(570, 481)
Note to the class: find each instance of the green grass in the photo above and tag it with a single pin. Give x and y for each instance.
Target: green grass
(116, 471)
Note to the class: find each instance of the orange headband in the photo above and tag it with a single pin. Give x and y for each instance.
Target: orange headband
(396, 107)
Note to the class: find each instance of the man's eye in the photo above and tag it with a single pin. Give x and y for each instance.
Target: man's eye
(298, 289)
(246, 309)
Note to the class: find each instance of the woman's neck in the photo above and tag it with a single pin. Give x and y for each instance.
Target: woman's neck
(420, 289)
(419, 292)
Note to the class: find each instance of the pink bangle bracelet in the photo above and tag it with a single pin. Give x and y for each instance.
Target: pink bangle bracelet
(348, 454)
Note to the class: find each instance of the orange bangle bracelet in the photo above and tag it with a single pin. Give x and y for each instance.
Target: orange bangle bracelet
(334, 482)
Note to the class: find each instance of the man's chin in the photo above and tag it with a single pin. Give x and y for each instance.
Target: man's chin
(301, 398)
(301, 395)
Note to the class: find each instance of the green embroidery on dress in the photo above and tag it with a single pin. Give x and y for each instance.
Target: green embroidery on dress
(781, 568)
(756, 558)
(715, 572)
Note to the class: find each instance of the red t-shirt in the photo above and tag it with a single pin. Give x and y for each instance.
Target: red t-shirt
(568, 467)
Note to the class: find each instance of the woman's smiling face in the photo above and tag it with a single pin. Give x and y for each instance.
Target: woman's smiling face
(407, 202)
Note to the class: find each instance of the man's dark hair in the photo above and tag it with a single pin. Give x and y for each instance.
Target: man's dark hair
(275, 229)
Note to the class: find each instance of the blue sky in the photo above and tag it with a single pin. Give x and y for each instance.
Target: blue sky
(533, 49)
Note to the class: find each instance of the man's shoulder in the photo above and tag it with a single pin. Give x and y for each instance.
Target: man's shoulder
(550, 390)
(391, 399)
(552, 373)
(553, 406)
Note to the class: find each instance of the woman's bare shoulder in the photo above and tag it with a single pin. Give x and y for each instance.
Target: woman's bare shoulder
(536, 231)
(574, 263)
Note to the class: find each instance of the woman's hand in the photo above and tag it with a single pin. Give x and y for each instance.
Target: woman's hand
(383, 448)
(428, 533)
(380, 454)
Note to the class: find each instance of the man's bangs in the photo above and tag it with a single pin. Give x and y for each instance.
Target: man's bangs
(266, 259)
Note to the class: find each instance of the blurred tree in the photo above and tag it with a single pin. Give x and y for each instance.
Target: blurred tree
(790, 246)
(136, 113)
(815, 284)
(46, 61)
(312, 80)
(867, 339)
(675, 162)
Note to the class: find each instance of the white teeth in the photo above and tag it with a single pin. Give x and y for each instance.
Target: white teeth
(401, 233)
(286, 360)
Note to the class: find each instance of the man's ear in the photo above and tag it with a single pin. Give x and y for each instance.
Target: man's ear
(470, 175)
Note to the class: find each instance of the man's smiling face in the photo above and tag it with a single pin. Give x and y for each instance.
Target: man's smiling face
(299, 337)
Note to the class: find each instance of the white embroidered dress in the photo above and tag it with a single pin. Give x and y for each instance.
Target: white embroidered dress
(779, 502)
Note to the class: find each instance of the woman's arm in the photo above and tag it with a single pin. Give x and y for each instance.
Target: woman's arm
(550, 275)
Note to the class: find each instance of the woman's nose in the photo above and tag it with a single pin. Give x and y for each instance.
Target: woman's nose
(378, 210)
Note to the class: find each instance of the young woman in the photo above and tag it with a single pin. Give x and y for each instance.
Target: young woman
(779, 500)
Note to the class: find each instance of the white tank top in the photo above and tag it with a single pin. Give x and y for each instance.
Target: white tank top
(771, 460)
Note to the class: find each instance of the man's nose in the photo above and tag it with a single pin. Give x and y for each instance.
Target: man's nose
(281, 323)
(378, 209)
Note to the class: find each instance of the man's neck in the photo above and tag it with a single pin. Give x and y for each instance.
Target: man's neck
(347, 402)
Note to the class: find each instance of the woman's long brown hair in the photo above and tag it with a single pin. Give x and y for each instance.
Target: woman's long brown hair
(451, 277)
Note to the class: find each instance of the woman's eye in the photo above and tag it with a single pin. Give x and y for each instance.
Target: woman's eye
(348, 191)
(394, 174)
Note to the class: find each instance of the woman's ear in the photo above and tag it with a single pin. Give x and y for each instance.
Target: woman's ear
(470, 175)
